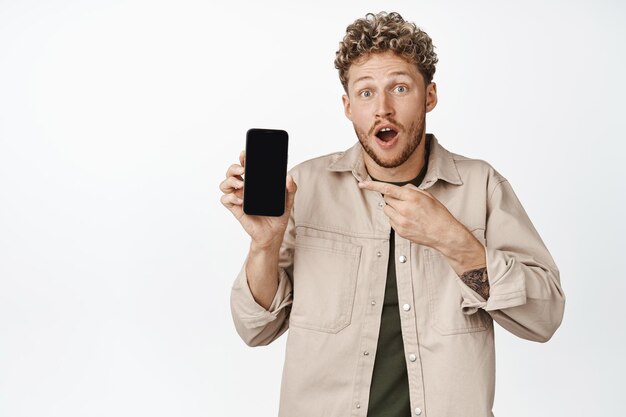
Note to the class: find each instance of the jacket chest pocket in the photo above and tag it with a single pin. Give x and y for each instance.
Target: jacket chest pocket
(324, 280)
(445, 297)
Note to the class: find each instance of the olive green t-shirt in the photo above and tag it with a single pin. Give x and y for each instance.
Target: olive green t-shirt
(389, 392)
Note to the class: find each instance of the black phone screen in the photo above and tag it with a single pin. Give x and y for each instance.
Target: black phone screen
(265, 172)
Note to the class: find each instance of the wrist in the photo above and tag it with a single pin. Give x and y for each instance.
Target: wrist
(272, 246)
(463, 251)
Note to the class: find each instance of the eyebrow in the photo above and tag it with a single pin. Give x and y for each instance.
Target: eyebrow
(395, 73)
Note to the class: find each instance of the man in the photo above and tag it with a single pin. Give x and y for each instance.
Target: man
(393, 258)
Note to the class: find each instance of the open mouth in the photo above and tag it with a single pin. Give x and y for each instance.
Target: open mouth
(387, 134)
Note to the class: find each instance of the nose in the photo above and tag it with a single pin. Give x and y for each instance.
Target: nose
(384, 106)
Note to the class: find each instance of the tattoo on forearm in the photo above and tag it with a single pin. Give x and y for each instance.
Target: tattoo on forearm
(477, 280)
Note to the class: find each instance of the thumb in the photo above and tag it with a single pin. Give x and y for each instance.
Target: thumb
(292, 187)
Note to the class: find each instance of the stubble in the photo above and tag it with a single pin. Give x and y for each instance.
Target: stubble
(415, 135)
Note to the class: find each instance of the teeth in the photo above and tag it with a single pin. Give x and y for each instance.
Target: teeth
(385, 129)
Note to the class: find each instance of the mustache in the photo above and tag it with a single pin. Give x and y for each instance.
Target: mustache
(389, 120)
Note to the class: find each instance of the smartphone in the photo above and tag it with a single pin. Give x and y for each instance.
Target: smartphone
(265, 172)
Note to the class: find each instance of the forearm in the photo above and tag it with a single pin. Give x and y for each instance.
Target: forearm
(262, 273)
(261, 296)
(466, 255)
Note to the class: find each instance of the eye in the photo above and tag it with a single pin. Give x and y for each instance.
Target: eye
(401, 89)
(366, 93)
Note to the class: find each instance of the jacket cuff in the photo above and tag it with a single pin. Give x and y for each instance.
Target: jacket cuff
(251, 313)
(507, 287)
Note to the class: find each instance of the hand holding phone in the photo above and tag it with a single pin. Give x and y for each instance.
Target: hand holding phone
(264, 230)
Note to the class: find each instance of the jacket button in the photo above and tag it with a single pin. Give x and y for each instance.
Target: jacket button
(366, 353)
(402, 259)
(406, 307)
(358, 405)
(412, 357)
(379, 254)
(381, 204)
(418, 411)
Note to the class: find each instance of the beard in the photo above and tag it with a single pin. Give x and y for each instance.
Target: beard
(415, 134)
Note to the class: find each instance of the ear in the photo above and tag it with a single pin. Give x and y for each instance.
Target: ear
(431, 96)
(346, 106)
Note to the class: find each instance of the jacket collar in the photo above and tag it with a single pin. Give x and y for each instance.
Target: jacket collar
(441, 164)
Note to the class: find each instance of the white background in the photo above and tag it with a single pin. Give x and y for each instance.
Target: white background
(118, 120)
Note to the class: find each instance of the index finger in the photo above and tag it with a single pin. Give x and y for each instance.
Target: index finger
(385, 188)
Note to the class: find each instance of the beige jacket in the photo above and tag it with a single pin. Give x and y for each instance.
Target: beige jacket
(332, 273)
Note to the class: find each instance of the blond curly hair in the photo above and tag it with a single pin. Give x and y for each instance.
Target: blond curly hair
(383, 32)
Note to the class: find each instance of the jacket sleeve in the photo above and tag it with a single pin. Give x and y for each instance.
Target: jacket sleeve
(525, 294)
(254, 324)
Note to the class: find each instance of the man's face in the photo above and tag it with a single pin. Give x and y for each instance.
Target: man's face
(387, 103)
